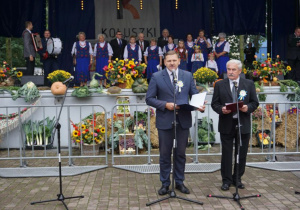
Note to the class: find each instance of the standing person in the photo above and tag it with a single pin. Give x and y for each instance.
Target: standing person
(133, 51)
(170, 45)
(211, 63)
(293, 54)
(249, 53)
(50, 62)
(163, 39)
(189, 45)
(143, 44)
(160, 95)
(153, 58)
(197, 59)
(103, 53)
(118, 44)
(29, 51)
(83, 53)
(183, 54)
(228, 121)
(221, 51)
(204, 43)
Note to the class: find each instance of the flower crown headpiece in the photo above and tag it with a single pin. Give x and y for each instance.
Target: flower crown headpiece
(196, 47)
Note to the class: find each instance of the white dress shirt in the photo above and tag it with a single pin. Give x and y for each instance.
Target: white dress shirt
(171, 76)
(160, 52)
(109, 49)
(81, 44)
(132, 46)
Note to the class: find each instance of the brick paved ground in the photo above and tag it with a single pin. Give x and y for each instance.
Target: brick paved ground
(112, 188)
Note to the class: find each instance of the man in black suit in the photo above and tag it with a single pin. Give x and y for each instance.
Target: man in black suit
(163, 40)
(29, 51)
(143, 44)
(293, 55)
(118, 44)
(225, 92)
(50, 62)
(160, 95)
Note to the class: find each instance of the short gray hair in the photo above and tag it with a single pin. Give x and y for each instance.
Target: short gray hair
(236, 62)
(81, 33)
(222, 35)
(101, 35)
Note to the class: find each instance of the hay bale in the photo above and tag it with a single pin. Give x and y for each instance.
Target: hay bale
(291, 131)
(153, 133)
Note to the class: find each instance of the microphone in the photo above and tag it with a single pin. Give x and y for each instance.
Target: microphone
(68, 80)
(174, 77)
(235, 84)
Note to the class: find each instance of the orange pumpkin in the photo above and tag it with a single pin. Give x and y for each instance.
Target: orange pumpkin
(216, 82)
(58, 88)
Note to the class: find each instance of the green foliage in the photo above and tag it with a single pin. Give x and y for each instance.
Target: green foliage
(81, 92)
(261, 97)
(29, 91)
(205, 136)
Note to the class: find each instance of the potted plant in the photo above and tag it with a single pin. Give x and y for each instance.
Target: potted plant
(9, 75)
(57, 77)
(203, 76)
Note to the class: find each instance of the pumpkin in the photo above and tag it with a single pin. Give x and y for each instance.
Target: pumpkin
(58, 88)
(216, 82)
(140, 86)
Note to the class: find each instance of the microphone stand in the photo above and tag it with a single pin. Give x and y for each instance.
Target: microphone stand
(236, 197)
(172, 193)
(60, 196)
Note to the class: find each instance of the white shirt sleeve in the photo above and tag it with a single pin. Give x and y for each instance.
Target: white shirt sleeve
(227, 47)
(125, 53)
(91, 49)
(95, 50)
(164, 50)
(193, 57)
(140, 54)
(110, 50)
(201, 57)
(146, 52)
(216, 66)
(73, 52)
(208, 40)
(160, 52)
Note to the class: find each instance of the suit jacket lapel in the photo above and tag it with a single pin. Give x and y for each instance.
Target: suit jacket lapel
(167, 80)
(228, 88)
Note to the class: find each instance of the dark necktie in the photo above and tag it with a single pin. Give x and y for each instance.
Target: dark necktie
(233, 90)
(174, 78)
(120, 42)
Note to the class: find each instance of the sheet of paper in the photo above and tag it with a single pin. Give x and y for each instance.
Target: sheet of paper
(198, 100)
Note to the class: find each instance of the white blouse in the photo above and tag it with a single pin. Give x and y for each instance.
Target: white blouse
(82, 45)
(109, 49)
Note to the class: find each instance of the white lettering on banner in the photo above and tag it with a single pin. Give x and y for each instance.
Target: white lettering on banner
(130, 19)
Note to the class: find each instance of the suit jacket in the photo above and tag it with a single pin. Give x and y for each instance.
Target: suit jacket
(293, 52)
(118, 51)
(28, 44)
(161, 42)
(146, 44)
(161, 91)
(222, 94)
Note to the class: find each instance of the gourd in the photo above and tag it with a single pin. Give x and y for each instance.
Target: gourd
(140, 86)
(94, 83)
(114, 90)
(58, 88)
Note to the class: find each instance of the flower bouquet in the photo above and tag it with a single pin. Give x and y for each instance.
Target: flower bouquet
(8, 75)
(203, 76)
(124, 72)
(268, 69)
(58, 76)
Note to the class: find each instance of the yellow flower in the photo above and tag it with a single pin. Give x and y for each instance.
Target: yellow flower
(131, 62)
(265, 68)
(75, 133)
(262, 55)
(128, 76)
(122, 71)
(136, 73)
(19, 74)
(288, 68)
(117, 59)
(77, 140)
(83, 126)
(254, 62)
(269, 59)
(110, 65)
(102, 130)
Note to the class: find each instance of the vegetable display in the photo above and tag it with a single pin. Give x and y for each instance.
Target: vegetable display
(82, 92)
(94, 83)
(140, 85)
(29, 91)
(58, 88)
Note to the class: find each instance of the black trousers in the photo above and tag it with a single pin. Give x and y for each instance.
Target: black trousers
(294, 74)
(227, 150)
(29, 66)
(50, 65)
(166, 138)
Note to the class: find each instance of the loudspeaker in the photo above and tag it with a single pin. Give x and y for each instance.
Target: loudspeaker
(242, 75)
(38, 80)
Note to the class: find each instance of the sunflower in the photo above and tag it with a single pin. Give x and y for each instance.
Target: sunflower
(102, 130)
(128, 76)
(19, 74)
(136, 74)
(122, 71)
(288, 68)
(75, 133)
(110, 65)
(83, 126)
(254, 62)
(269, 59)
(131, 63)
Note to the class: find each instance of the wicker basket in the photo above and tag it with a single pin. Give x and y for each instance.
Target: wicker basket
(88, 149)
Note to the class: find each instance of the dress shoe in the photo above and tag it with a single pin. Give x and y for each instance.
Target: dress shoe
(182, 188)
(225, 187)
(240, 185)
(163, 190)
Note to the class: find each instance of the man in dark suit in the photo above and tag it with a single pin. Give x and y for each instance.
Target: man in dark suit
(50, 62)
(160, 95)
(118, 44)
(29, 51)
(293, 55)
(225, 92)
(163, 40)
(143, 44)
